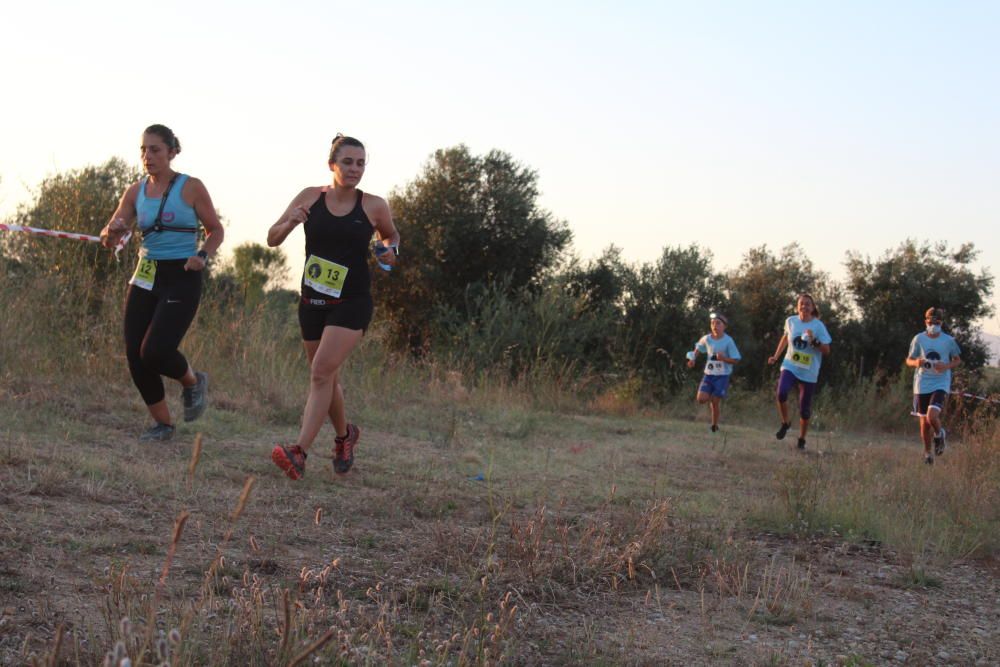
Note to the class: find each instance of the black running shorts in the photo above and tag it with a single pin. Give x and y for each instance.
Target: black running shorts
(923, 402)
(354, 314)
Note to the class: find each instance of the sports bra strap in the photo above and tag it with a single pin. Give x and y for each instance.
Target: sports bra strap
(159, 226)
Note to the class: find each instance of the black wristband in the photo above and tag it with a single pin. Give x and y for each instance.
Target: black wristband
(203, 254)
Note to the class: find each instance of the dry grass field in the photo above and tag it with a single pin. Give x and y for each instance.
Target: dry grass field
(487, 521)
(482, 524)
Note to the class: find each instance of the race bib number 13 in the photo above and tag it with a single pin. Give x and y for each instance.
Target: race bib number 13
(145, 274)
(324, 276)
(802, 359)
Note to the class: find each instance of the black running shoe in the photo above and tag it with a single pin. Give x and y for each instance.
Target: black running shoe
(195, 397)
(157, 433)
(780, 435)
(929, 460)
(715, 427)
(802, 443)
(939, 443)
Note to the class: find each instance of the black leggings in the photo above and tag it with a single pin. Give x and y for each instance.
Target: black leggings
(155, 322)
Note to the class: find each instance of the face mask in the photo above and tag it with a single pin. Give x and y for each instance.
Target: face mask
(933, 329)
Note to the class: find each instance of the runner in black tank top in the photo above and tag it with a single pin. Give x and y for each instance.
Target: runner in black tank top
(336, 304)
(342, 239)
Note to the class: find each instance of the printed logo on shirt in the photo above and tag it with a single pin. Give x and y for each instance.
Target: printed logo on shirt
(314, 270)
(714, 366)
(168, 216)
(930, 359)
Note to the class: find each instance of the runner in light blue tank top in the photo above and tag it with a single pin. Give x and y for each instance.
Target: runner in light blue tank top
(165, 290)
(170, 242)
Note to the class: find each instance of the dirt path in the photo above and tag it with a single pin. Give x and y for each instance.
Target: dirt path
(424, 553)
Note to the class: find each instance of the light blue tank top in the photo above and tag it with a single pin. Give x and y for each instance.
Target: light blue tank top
(167, 244)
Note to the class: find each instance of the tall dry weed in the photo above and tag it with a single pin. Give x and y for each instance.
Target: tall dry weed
(931, 514)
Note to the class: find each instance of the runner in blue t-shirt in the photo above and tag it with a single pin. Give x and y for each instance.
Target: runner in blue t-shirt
(722, 354)
(933, 353)
(805, 343)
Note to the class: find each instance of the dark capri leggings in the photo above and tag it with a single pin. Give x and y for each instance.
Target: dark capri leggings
(155, 323)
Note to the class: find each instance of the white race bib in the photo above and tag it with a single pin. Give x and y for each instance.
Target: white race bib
(715, 367)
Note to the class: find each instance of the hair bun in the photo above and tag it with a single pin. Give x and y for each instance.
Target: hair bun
(342, 140)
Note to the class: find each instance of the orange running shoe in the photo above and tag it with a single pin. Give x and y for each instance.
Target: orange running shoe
(290, 459)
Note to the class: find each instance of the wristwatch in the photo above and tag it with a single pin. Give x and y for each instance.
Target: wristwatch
(203, 254)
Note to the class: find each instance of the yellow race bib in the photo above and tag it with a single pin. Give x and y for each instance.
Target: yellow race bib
(801, 359)
(324, 276)
(145, 274)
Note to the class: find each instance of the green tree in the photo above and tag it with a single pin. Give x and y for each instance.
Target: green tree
(893, 292)
(665, 310)
(254, 268)
(466, 220)
(547, 331)
(80, 200)
(68, 292)
(763, 290)
(598, 290)
(601, 282)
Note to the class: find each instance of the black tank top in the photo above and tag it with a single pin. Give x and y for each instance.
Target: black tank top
(344, 239)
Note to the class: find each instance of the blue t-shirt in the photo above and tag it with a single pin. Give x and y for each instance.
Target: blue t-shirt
(802, 359)
(167, 244)
(711, 346)
(941, 348)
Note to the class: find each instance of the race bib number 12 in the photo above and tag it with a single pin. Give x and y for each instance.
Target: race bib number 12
(324, 276)
(145, 274)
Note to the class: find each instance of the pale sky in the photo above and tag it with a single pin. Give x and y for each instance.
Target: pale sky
(842, 126)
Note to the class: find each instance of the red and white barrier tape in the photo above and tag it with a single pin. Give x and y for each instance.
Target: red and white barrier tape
(964, 394)
(64, 235)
